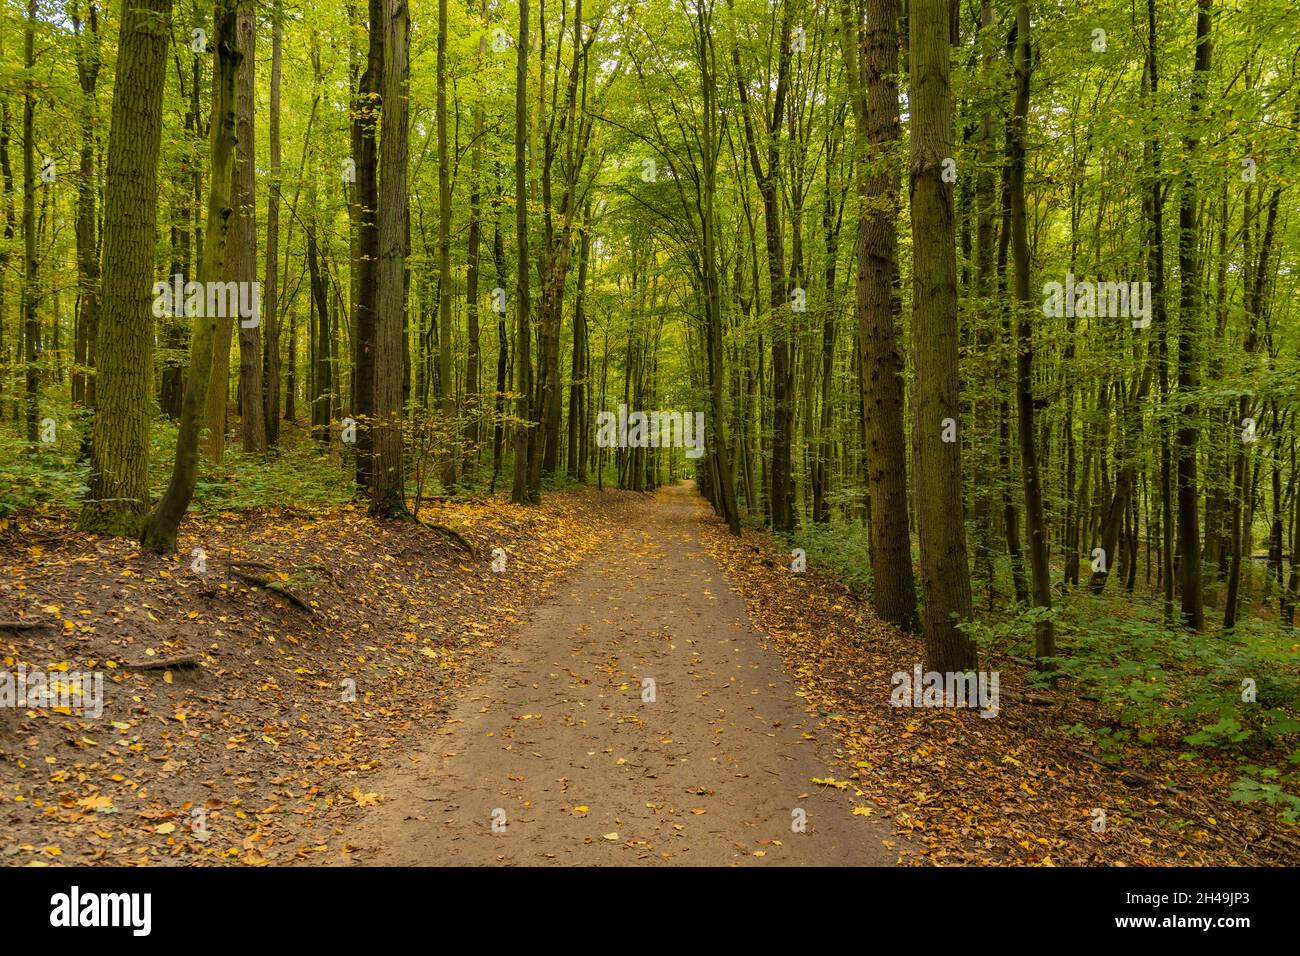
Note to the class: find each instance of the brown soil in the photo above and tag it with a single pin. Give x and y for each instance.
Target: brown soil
(476, 691)
(557, 756)
(260, 736)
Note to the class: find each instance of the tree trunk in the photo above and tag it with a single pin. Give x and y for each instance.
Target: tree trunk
(945, 576)
(525, 431)
(388, 497)
(720, 451)
(782, 475)
(118, 496)
(503, 335)
(271, 291)
(242, 254)
(31, 288)
(1125, 483)
(832, 213)
(1040, 575)
(1189, 336)
(1255, 281)
(88, 63)
(160, 529)
(446, 392)
(365, 122)
(578, 369)
(7, 190)
(319, 330)
(873, 60)
(473, 410)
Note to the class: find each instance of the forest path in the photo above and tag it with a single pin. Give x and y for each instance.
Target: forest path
(710, 772)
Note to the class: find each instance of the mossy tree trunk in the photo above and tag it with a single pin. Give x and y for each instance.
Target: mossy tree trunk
(160, 530)
(118, 497)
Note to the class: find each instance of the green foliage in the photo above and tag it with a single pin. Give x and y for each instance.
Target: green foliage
(53, 477)
(841, 547)
(1248, 790)
(33, 478)
(1152, 683)
(299, 477)
(1156, 684)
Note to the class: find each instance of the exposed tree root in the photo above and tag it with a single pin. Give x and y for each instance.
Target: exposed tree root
(451, 533)
(267, 566)
(163, 663)
(407, 514)
(23, 625)
(270, 584)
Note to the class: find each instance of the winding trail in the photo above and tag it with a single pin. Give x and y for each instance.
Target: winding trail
(712, 771)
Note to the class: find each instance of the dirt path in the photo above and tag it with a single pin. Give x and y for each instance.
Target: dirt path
(713, 771)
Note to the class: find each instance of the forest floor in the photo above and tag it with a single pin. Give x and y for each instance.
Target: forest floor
(637, 718)
(635, 686)
(276, 717)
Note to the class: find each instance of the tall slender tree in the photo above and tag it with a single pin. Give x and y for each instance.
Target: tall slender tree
(241, 254)
(1040, 574)
(446, 391)
(164, 520)
(767, 173)
(365, 126)
(271, 288)
(525, 431)
(945, 575)
(388, 493)
(473, 411)
(31, 322)
(86, 28)
(871, 69)
(1189, 336)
